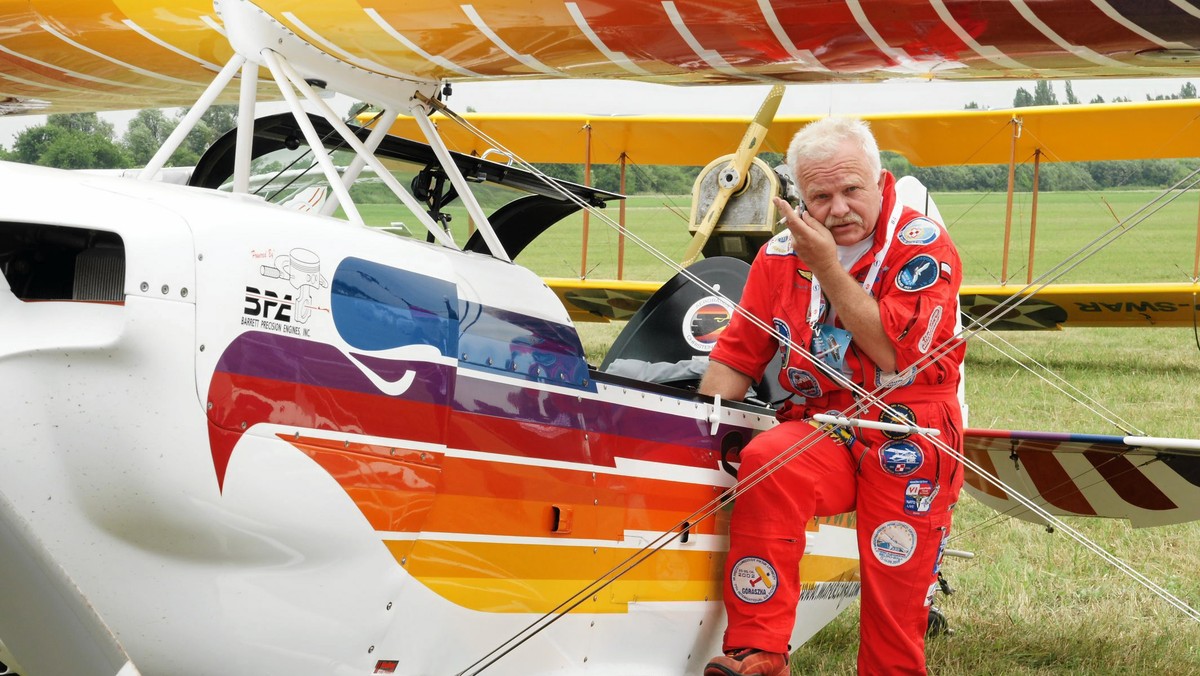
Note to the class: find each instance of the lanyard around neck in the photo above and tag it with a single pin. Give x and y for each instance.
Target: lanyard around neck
(814, 299)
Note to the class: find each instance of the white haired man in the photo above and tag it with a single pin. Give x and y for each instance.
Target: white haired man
(862, 286)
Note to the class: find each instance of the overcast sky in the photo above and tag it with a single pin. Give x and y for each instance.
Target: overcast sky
(631, 98)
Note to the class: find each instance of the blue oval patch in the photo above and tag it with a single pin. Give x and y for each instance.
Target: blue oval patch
(919, 273)
(918, 231)
(900, 457)
(785, 343)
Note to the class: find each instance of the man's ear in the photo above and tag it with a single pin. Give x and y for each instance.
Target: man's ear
(882, 176)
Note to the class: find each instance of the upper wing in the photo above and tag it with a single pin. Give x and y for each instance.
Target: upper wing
(1149, 481)
(121, 54)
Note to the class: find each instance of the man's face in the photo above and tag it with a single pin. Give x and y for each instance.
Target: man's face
(843, 194)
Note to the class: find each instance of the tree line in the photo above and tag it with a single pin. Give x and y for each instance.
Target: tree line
(85, 141)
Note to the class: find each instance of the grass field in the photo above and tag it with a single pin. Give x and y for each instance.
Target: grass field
(1030, 602)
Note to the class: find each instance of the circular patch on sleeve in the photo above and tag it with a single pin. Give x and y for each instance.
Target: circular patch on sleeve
(785, 341)
(753, 580)
(900, 457)
(803, 383)
(894, 543)
(918, 231)
(919, 273)
(704, 321)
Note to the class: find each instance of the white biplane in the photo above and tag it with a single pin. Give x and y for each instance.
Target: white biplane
(243, 437)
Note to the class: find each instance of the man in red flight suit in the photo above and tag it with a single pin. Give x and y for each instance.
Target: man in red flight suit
(869, 288)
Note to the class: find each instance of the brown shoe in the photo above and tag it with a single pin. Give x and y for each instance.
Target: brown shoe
(749, 662)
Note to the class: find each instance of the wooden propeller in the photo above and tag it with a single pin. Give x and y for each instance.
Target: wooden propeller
(733, 175)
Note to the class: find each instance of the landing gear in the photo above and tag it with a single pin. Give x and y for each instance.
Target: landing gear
(937, 624)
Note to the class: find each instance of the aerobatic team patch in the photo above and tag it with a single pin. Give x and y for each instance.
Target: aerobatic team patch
(753, 580)
(935, 318)
(900, 457)
(904, 416)
(929, 595)
(780, 245)
(840, 433)
(918, 497)
(785, 339)
(893, 543)
(919, 273)
(803, 383)
(704, 322)
(893, 379)
(918, 231)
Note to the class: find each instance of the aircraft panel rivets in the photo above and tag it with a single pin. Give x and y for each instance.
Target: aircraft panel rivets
(165, 289)
(183, 292)
(243, 424)
(200, 257)
(346, 443)
(201, 348)
(210, 405)
(144, 287)
(370, 650)
(404, 561)
(389, 606)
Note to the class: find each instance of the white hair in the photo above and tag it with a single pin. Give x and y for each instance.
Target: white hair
(820, 140)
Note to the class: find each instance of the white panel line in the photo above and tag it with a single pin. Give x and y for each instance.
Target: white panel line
(166, 45)
(1082, 52)
(81, 76)
(43, 85)
(711, 57)
(898, 55)
(141, 71)
(1113, 14)
(1187, 7)
(313, 36)
(213, 24)
(986, 51)
(804, 56)
(395, 35)
(619, 58)
(526, 59)
(713, 543)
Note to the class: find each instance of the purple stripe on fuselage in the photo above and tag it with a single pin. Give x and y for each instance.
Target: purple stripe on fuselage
(294, 360)
(569, 410)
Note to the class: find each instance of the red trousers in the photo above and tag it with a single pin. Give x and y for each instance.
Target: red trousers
(903, 491)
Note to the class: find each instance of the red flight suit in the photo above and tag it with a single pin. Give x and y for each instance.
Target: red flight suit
(902, 487)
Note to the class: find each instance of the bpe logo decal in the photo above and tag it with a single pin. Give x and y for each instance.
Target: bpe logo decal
(704, 322)
(275, 310)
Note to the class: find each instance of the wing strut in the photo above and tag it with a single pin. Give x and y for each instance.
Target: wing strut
(259, 40)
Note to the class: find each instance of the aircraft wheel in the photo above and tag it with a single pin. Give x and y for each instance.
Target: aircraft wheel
(937, 625)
